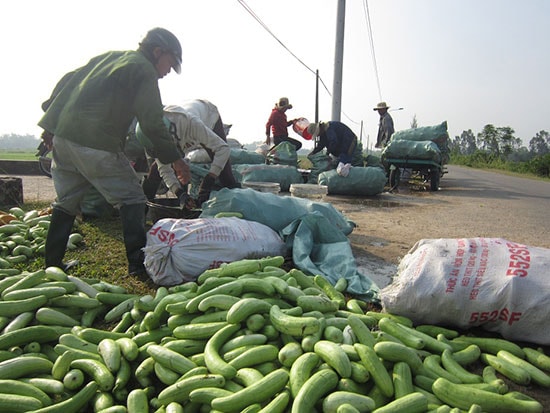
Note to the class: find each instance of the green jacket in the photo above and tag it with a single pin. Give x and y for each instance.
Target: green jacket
(99, 101)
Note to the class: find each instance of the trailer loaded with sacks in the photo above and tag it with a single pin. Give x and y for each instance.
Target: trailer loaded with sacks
(423, 151)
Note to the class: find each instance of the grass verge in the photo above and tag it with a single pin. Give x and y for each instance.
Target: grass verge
(22, 155)
(102, 255)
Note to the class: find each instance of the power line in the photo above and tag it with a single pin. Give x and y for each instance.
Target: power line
(257, 18)
(371, 41)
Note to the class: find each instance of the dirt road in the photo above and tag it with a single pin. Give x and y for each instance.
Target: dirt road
(471, 203)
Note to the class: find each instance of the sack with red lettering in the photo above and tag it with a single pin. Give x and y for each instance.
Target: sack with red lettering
(179, 250)
(493, 283)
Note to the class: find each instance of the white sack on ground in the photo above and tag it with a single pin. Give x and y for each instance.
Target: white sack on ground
(179, 250)
(493, 283)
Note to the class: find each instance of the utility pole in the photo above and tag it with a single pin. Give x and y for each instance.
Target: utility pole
(317, 96)
(338, 61)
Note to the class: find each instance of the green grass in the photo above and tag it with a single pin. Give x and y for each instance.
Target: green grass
(22, 155)
(102, 256)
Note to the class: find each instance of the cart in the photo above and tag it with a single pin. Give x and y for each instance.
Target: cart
(426, 170)
(423, 150)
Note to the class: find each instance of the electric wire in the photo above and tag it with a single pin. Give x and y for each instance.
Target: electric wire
(371, 42)
(266, 28)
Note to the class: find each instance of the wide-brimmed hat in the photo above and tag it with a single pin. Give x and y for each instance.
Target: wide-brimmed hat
(381, 105)
(313, 129)
(283, 103)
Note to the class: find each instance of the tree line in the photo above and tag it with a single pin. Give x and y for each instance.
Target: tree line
(17, 142)
(497, 147)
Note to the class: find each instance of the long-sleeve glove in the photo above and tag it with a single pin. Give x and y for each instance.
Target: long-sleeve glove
(204, 189)
(343, 169)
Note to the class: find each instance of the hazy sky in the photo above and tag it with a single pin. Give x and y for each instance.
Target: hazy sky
(469, 62)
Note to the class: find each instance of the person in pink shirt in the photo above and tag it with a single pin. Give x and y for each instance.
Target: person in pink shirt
(277, 124)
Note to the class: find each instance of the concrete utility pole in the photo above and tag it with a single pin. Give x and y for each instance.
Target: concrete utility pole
(338, 61)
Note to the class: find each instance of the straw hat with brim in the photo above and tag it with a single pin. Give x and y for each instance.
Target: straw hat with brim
(313, 129)
(283, 103)
(381, 105)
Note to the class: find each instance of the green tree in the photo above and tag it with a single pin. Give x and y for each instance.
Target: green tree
(13, 142)
(465, 144)
(499, 142)
(487, 139)
(507, 142)
(540, 144)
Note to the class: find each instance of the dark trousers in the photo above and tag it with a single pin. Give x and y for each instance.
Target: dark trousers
(278, 139)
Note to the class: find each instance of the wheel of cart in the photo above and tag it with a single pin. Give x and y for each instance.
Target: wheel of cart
(44, 159)
(394, 176)
(429, 171)
(435, 175)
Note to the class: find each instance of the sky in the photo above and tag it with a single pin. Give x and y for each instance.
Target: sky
(467, 62)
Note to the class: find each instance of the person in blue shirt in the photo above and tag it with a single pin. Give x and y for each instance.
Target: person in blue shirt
(339, 141)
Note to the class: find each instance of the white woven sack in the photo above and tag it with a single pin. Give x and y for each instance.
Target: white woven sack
(179, 250)
(199, 156)
(497, 284)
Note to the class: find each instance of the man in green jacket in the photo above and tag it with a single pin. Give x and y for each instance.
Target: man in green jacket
(89, 117)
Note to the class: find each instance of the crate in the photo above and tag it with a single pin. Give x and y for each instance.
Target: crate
(272, 187)
(311, 191)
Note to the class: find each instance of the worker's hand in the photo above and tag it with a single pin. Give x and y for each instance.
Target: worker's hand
(186, 202)
(47, 137)
(183, 173)
(267, 140)
(343, 169)
(205, 188)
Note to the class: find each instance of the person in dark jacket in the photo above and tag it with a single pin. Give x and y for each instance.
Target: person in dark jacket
(89, 117)
(385, 126)
(277, 124)
(340, 141)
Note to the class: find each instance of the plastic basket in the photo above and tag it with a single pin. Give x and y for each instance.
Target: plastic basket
(161, 208)
(300, 127)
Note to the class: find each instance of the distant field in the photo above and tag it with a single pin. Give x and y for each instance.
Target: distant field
(22, 155)
(29, 155)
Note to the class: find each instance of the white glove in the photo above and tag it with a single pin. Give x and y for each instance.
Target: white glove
(343, 169)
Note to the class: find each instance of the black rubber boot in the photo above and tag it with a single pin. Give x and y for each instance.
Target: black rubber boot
(133, 230)
(61, 226)
(152, 182)
(150, 187)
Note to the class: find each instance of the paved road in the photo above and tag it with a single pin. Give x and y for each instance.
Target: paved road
(471, 203)
(519, 204)
(494, 185)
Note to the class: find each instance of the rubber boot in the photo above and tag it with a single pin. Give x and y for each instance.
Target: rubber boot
(61, 226)
(152, 182)
(150, 187)
(133, 230)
